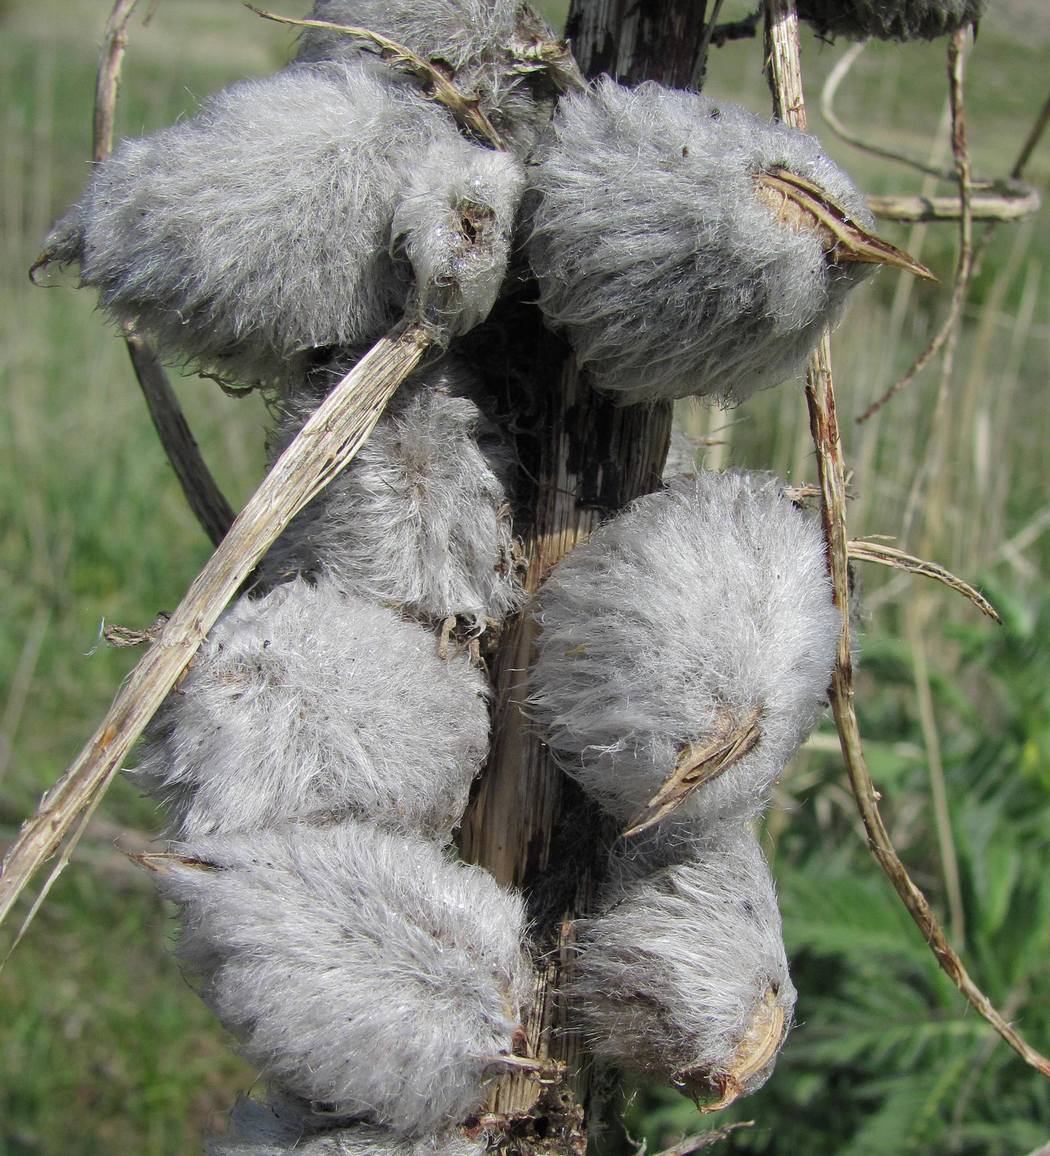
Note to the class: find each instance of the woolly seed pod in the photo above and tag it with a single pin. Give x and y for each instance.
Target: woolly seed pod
(890, 19)
(668, 264)
(421, 518)
(360, 969)
(684, 975)
(483, 44)
(246, 238)
(273, 1130)
(686, 649)
(313, 704)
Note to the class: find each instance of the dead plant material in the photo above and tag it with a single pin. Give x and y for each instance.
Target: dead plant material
(321, 450)
(890, 556)
(802, 205)
(786, 83)
(436, 85)
(201, 490)
(964, 262)
(697, 765)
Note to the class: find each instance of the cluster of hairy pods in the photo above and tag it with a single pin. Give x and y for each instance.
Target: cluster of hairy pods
(413, 161)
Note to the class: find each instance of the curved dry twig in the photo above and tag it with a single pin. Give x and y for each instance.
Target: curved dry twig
(786, 83)
(321, 450)
(890, 556)
(964, 262)
(827, 109)
(201, 490)
(438, 86)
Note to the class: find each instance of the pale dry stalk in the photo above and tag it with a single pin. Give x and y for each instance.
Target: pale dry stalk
(322, 449)
(784, 57)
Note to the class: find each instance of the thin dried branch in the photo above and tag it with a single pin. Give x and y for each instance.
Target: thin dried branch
(786, 82)
(827, 109)
(200, 488)
(964, 261)
(436, 85)
(324, 446)
(865, 551)
(704, 1140)
(1035, 134)
(1014, 203)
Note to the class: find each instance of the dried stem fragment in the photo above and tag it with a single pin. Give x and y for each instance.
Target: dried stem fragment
(890, 556)
(437, 85)
(324, 446)
(786, 84)
(201, 490)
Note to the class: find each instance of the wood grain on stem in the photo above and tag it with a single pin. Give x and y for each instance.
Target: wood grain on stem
(786, 83)
(201, 490)
(528, 824)
(321, 450)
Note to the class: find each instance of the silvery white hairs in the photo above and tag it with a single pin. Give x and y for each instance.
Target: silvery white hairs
(479, 40)
(659, 260)
(696, 611)
(421, 518)
(890, 19)
(294, 213)
(360, 969)
(275, 1129)
(310, 703)
(683, 975)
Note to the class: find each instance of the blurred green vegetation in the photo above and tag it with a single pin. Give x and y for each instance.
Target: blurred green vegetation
(107, 1050)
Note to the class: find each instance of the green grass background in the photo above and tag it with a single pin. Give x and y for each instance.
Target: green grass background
(105, 1047)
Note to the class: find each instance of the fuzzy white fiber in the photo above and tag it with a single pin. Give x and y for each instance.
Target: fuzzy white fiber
(658, 261)
(264, 1130)
(706, 600)
(890, 19)
(421, 518)
(676, 969)
(361, 970)
(312, 704)
(474, 38)
(288, 216)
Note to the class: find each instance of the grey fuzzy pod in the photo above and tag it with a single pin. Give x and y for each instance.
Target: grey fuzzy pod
(475, 39)
(263, 229)
(890, 19)
(312, 704)
(421, 518)
(658, 259)
(274, 1130)
(683, 975)
(360, 969)
(675, 623)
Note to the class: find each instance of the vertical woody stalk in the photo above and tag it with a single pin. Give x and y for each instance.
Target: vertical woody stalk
(785, 76)
(529, 825)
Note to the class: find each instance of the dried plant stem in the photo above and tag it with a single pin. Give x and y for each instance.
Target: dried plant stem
(786, 82)
(964, 261)
(200, 488)
(704, 1140)
(1014, 203)
(324, 446)
(827, 109)
(462, 106)
(890, 556)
